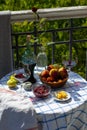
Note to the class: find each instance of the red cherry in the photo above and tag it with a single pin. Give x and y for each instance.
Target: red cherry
(20, 75)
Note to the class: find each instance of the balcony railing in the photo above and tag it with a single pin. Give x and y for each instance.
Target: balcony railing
(64, 13)
(69, 13)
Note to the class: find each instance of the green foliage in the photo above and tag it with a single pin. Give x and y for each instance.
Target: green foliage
(45, 38)
(28, 4)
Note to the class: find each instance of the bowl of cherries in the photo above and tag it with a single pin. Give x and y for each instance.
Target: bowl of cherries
(41, 90)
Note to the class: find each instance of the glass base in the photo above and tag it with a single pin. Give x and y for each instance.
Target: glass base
(31, 79)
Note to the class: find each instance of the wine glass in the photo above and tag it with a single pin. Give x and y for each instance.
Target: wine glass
(69, 63)
(27, 70)
(21, 77)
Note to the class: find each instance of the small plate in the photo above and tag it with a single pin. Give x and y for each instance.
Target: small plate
(63, 99)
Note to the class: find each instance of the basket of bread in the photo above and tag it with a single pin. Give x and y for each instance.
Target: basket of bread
(54, 76)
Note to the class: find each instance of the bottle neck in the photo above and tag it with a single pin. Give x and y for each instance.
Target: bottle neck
(28, 44)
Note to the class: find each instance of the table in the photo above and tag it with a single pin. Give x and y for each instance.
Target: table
(54, 115)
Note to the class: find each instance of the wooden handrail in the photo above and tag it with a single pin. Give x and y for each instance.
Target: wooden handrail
(51, 13)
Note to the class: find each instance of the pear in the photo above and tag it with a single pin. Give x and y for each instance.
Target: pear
(13, 77)
(11, 83)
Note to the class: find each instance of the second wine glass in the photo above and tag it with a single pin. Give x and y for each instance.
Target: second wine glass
(69, 63)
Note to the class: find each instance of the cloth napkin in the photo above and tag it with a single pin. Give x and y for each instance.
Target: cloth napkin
(16, 112)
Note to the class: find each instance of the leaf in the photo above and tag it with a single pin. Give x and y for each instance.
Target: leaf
(31, 23)
(42, 20)
(25, 23)
(60, 35)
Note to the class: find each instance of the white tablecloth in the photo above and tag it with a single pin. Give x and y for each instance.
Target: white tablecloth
(16, 112)
(54, 115)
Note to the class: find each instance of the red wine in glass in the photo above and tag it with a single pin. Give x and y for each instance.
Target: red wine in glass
(69, 64)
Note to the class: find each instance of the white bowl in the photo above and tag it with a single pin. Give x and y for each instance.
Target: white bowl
(27, 86)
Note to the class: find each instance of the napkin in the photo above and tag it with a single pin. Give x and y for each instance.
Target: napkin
(16, 112)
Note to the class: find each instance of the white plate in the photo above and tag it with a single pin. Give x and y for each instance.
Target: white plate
(63, 99)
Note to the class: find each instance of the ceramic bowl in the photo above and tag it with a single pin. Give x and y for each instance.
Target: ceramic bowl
(27, 86)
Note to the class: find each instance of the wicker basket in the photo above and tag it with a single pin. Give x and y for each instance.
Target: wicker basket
(54, 85)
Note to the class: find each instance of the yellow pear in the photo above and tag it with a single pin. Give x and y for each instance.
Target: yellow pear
(11, 83)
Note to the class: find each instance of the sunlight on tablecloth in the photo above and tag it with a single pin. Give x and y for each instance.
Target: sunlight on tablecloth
(16, 112)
